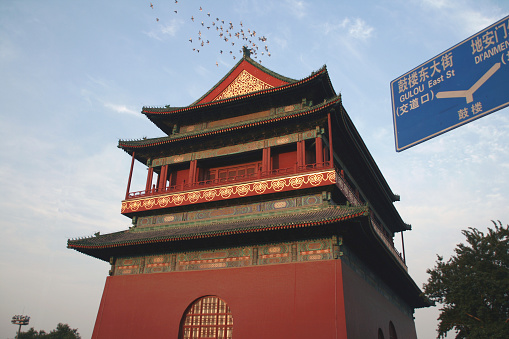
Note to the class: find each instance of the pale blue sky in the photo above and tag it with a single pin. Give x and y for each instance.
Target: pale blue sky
(75, 74)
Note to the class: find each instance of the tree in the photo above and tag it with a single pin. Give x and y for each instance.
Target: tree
(31, 334)
(473, 286)
(63, 331)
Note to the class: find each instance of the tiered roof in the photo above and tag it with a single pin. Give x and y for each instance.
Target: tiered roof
(247, 88)
(147, 146)
(354, 221)
(355, 156)
(101, 246)
(245, 72)
(247, 82)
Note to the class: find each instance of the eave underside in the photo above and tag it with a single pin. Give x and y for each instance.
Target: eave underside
(316, 88)
(96, 245)
(360, 165)
(350, 223)
(149, 148)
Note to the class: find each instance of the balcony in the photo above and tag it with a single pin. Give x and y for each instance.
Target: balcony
(230, 180)
(279, 180)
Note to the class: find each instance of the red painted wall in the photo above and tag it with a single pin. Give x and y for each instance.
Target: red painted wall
(284, 160)
(368, 310)
(300, 300)
(178, 177)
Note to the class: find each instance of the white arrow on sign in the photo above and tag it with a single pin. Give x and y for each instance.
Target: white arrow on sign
(469, 93)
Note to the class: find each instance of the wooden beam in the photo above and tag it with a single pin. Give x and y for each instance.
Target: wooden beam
(331, 151)
(130, 177)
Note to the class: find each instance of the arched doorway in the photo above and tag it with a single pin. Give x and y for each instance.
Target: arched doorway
(392, 331)
(207, 317)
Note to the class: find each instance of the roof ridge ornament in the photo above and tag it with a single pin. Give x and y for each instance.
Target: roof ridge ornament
(246, 51)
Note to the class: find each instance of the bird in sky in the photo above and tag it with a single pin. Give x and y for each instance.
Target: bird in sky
(226, 34)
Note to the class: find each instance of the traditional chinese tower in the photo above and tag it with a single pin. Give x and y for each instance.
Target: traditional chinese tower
(263, 216)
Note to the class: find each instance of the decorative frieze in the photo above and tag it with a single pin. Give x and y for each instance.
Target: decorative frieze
(347, 191)
(246, 210)
(241, 148)
(125, 266)
(269, 254)
(194, 128)
(244, 83)
(259, 187)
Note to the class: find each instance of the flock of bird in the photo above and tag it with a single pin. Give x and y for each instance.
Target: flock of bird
(232, 37)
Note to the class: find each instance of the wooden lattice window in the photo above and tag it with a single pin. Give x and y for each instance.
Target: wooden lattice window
(207, 317)
(233, 172)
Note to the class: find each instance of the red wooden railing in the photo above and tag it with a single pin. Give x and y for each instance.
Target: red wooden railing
(351, 195)
(388, 241)
(237, 179)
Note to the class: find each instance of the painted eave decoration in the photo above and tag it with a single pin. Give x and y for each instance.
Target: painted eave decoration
(128, 145)
(319, 217)
(245, 80)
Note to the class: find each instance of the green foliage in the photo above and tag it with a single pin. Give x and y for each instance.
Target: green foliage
(473, 286)
(31, 334)
(63, 331)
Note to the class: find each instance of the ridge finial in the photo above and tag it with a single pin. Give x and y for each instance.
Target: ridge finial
(246, 51)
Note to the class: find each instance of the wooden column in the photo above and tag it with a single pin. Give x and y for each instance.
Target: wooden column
(319, 151)
(269, 160)
(266, 160)
(150, 174)
(299, 154)
(299, 160)
(301, 150)
(403, 247)
(192, 172)
(331, 151)
(165, 181)
(161, 184)
(130, 177)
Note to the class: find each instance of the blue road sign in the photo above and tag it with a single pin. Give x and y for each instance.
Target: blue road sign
(464, 83)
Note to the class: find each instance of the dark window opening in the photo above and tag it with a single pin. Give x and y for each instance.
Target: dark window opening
(392, 331)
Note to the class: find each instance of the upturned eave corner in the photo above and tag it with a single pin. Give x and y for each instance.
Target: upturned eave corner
(204, 102)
